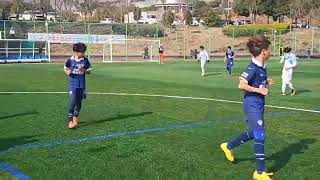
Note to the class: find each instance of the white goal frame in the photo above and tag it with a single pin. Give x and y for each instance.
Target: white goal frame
(130, 51)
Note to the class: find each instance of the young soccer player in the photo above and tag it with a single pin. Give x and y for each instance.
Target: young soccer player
(290, 61)
(76, 68)
(161, 54)
(203, 57)
(229, 56)
(254, 81)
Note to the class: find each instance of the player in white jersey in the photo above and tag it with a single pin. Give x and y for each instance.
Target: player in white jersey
(203, 57)
(290, 61)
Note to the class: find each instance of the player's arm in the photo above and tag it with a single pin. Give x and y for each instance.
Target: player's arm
(87, 68)
(270, 82)
(246, 77)
(66, 68)
(243, 85)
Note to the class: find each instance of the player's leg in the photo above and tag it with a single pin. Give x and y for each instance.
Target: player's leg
(293, 91)
(160, 58)
(202, 65)
(241, 139)
(231, 64)
(227, 67)
(80, 95)
(256, 124)
(284, 85)
(72, 104)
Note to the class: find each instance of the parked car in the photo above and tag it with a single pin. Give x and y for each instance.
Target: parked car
(107, 21)
(26, 16)
(148, 19)
(13, 17)
(51, 16)
(195, 21)
(176, 22)
(296, 25)
(38, 16)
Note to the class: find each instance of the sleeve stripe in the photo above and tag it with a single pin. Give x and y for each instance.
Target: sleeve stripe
(244, 79)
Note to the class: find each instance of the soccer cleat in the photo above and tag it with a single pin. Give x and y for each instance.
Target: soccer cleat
(293, 92)
(283, 94)
(263, 176)
(227, 152)
(75, 121)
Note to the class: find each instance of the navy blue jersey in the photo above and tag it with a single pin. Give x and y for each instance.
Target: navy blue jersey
(256, 76)
(229, 55)
(77, 79)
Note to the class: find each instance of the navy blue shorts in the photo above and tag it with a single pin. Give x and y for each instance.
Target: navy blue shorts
(77, 93)
(229, 64)
(255, 121)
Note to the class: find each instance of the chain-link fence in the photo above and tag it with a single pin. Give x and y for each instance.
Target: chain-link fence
(178, 42)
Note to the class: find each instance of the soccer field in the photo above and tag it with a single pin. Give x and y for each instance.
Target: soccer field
(150, 121)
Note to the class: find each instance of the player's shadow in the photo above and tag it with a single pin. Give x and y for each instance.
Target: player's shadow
(282, 157)
(298, 92)
(7, 143)
(19, 114)
(119, 117)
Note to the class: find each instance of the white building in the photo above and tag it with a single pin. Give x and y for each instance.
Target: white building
(176, 6)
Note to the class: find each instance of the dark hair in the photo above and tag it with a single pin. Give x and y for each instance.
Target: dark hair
(229, 47)
(287, 49)
(201, 47)
(79, 47)
(257, 44)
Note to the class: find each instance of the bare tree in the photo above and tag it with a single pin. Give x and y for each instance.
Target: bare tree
(17, 7)
(253, 8)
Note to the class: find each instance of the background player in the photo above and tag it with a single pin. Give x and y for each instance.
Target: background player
(290, 61)
(203, 57)
(229, 56)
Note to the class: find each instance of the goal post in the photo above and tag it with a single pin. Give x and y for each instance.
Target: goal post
(131, 50)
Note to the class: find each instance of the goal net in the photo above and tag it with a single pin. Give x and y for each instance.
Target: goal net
(130, 50)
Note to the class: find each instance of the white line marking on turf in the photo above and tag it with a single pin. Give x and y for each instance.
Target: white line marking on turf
(167, 96)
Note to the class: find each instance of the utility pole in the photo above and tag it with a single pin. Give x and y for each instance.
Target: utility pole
(55, 9)
(121, 1)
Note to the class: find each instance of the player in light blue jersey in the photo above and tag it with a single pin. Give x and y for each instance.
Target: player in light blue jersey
(254, 82)
(76, 68)
(290, 61)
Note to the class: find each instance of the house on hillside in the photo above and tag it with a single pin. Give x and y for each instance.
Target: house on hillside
(177, 6)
